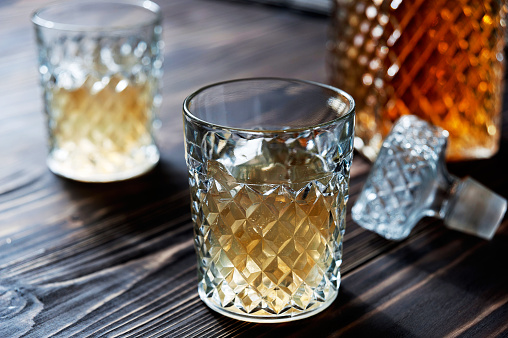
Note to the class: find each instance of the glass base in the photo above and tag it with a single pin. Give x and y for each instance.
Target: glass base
(236, 313)
(66, 170)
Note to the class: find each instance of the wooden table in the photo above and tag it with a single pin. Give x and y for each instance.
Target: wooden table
(118, 259)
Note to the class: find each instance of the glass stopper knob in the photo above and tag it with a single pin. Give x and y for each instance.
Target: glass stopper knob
(409, 180)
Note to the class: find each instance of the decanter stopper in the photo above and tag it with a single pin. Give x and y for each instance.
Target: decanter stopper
(409, 180)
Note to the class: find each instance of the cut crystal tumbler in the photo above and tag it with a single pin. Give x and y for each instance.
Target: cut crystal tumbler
(269, 163)
(99, 65)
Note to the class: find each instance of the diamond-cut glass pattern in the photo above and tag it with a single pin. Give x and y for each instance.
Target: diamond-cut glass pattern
(440, 60)
(101, 92)
(268, 230)
(395, 195)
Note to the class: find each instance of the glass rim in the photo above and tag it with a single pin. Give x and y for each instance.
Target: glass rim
(149, 5)
(188, 113)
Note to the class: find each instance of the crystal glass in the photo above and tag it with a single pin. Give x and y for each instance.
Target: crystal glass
(409, 180)
(440, 60)
(269, 163)
(100, 64)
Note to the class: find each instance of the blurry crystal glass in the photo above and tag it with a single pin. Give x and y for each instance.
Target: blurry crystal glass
(100, 64)
(409, 181)
(440, 60)
(269, 163)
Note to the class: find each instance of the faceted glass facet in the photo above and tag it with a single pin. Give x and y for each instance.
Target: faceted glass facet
(404, 179)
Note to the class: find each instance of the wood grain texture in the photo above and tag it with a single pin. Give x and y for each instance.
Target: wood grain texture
(117, 260)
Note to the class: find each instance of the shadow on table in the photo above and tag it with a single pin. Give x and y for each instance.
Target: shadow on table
(165, 187)
(348, 316)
